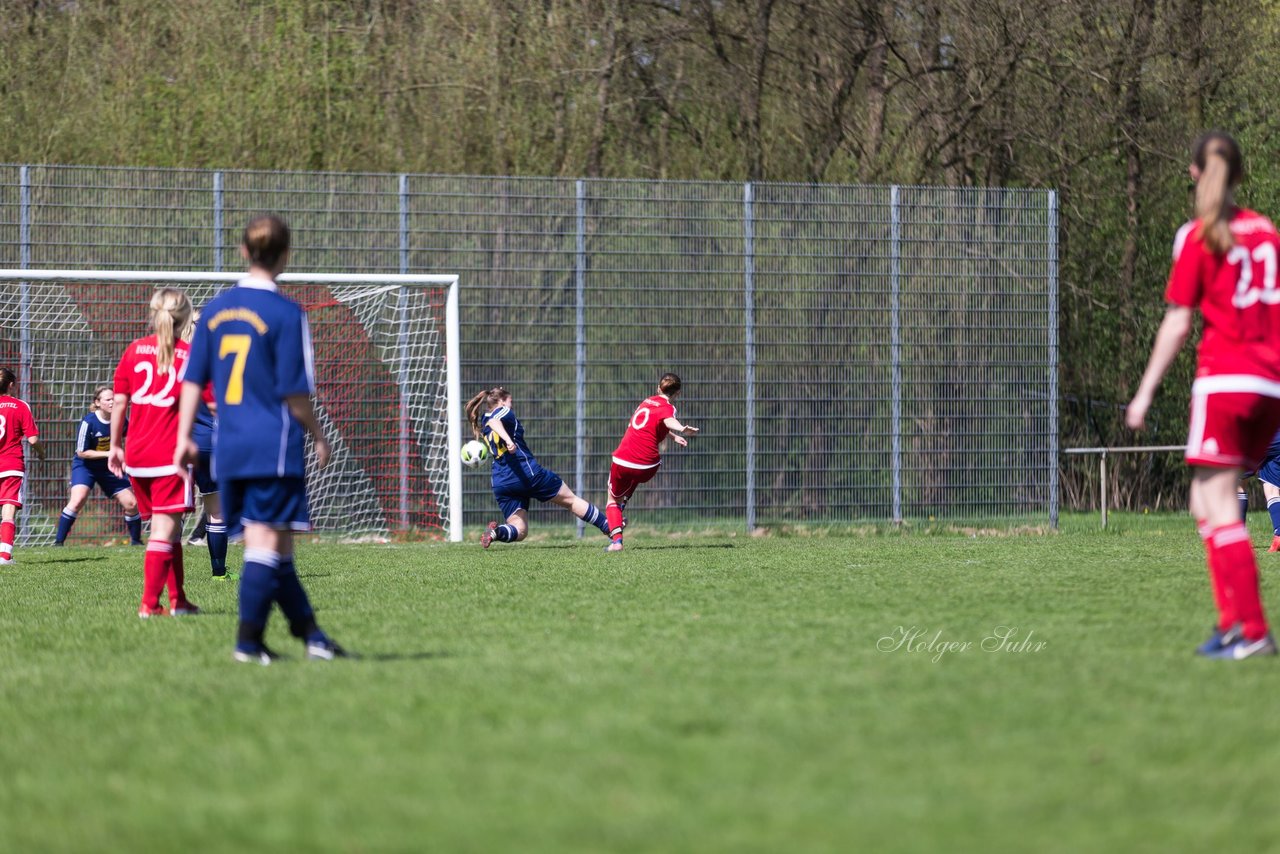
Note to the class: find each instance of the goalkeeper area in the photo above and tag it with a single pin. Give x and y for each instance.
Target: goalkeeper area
(387, 389)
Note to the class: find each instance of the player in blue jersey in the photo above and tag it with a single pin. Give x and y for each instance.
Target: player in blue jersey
(215, 527)
(89, 469)
(517, 476)
(253, 344)
(1269, 473)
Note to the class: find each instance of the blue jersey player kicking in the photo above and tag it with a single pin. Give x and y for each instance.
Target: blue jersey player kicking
(517, 476)
(254, 345)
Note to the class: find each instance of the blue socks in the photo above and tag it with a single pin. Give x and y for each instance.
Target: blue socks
(65, 521)
(1273, 508)
(270, 578)
(505, 533)
(215, 534)
(134, 524)
(1243, 498)
(593, 516)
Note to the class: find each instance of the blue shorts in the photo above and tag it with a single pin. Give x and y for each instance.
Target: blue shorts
(82, 475)
(204, 475)
(277, 502)
(1269, 471)
(515, 493)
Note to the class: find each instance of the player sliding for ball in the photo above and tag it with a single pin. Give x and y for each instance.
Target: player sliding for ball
(638, 456)
(517, 476)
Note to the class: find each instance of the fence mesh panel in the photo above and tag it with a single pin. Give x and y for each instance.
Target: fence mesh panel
(852, 353)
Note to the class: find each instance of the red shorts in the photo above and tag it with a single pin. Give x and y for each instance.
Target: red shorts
(1233, 419)
(11, 489)
(169, 494)
(623, 480)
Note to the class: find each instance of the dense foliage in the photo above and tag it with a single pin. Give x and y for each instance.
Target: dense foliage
(1096, 98)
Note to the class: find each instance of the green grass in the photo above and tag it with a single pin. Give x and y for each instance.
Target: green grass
(704, 693)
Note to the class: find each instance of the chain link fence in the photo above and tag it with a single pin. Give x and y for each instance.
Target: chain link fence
(852, 353)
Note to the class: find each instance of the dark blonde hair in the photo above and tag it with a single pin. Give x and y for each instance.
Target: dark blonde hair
(7, 379)
(484, 402)
(97, 393)
(669, 384)
(266, 240)
(170, 317)
(1221, 166)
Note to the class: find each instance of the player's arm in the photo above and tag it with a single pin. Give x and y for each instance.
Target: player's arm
(679, 431)
(301, 408)
(1169, 340)
(115, 456)
(186, 452)
(81, 440)
(495, 424)
(37, 446)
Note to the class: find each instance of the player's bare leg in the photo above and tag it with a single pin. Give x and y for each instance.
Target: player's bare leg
(580, 507)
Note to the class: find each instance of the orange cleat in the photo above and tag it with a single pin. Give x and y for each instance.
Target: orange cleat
(1275, 544)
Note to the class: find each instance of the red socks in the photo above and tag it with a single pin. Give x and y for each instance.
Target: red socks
(156, 567)
(7, 532)
(177, 577)
(1235, 579)
(613, 515)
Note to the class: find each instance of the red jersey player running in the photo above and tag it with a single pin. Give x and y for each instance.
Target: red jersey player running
(146, 380)
(638, 456)
(17, 428)
(1224, 264)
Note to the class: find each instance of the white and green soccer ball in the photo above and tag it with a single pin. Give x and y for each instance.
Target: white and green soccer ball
(473, 453)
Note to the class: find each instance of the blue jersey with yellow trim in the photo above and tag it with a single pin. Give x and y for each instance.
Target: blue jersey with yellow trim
(94, 435)
(508, 466)
(254, 345)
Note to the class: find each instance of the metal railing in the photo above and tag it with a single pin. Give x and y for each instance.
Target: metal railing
(1102, 464)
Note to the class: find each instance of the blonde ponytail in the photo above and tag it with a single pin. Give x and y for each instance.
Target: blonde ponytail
(171, 318)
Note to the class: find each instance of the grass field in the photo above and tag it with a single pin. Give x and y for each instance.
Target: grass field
(707, 693)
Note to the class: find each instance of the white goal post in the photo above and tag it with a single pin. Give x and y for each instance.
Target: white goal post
(387, 374)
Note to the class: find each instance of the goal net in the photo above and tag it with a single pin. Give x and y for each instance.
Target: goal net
(387, 390)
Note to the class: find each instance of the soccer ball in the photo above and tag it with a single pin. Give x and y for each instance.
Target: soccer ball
(473, 453)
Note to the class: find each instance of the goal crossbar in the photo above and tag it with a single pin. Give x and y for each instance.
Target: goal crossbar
(26, 278)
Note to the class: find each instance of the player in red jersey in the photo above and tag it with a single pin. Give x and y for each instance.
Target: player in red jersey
(17, 427)
(146, 380)
(638, 456)
(1225, 265)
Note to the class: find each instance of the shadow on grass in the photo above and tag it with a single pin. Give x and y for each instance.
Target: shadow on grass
(401, 656)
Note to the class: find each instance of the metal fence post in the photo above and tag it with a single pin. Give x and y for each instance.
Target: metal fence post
(217, 222)
(580, 342)
(24, 304)
(895, 347)
(749, 338)
(403, 357)
(1053, 362)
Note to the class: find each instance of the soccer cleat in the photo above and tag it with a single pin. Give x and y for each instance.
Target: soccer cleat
(614, 546)
(58, 543)
(195, 541)
(1275, 544)
(136, 543)
(6, 560)
(325, 650)
(226, 577)
(145, 613)
(487, 537)
(184, 609)
(1220, 639)
(263, 656)
(1245, 648)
